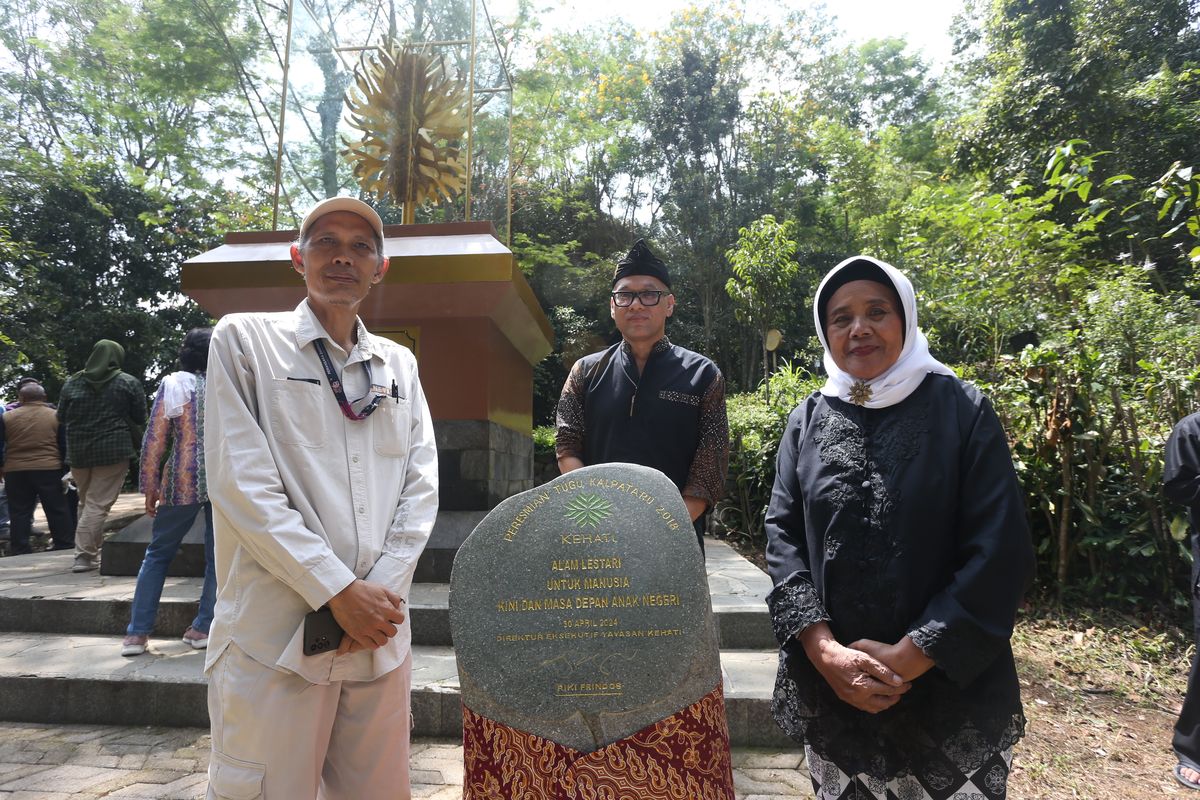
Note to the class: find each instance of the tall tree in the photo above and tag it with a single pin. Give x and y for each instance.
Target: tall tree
(146, 86)
(763, 269)
(95, 257)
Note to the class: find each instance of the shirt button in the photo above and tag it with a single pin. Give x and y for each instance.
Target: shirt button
(354, 459)
(867, 521)
(866, 484)
(360, 509)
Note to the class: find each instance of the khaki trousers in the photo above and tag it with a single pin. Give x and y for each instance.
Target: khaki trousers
(278, 737)
(98, 490)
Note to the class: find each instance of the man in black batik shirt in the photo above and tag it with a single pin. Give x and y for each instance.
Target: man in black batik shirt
(644, 400)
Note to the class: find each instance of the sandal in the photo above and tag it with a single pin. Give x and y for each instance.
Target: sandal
(1179, 776)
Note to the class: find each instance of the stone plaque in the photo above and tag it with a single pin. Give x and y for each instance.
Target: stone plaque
(580, 609)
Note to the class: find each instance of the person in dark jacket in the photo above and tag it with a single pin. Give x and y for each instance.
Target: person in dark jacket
(31, 462)
(1181, 482)
(644, 400)
(899, 552)
(104, 411)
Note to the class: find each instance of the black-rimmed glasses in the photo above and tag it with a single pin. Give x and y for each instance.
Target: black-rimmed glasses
(648, 298)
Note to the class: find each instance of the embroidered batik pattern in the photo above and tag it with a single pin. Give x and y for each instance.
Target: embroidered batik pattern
(988, 781)
(706, 478)
(794, 606)
(679, 397)
(682, 757)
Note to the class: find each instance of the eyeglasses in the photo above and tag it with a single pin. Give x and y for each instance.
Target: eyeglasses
(648, 298)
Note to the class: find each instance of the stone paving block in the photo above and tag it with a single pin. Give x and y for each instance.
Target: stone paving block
(426, 776)
(60, 755)
(123, 749)
(11, 772)
(187, 784)
(150, 739)
(171, 763)
(144, 791)
(755, 758)
(21, 757)
(132, 761)
(447, 793)
(76, 734)
(94, 760)
(67, 778)
(790, 782)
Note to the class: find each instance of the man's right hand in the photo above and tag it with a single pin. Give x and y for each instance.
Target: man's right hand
(368, 613)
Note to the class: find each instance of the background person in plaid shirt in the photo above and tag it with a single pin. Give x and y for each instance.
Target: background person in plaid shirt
(104, 410)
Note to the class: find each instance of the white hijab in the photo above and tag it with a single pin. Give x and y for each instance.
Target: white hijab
(910, 368)
(178, 390)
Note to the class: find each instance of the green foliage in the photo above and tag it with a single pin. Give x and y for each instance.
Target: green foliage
(133, 85)
(94, 257)
(756, 423)
(763, 269)
(543, 439)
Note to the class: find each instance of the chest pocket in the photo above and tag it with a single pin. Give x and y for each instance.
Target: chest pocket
(390, 425)
(296, 415)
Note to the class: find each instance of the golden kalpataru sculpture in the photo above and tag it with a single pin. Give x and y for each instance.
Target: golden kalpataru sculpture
(413, 115)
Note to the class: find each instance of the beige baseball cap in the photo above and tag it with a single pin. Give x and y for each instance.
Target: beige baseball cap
(351, 204)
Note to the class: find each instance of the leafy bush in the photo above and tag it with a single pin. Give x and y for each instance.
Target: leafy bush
(543, 440)
(755, 427)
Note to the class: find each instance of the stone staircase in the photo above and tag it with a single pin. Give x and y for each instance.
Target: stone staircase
(60, 656)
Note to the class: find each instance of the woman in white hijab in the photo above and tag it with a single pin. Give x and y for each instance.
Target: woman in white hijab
(899, 550)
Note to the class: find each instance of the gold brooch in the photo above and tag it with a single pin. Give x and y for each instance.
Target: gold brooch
(860, 392)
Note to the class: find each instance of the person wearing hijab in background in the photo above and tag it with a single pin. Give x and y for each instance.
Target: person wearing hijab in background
(899, 551)
(104, 411)
(647, 401)
(172, 478)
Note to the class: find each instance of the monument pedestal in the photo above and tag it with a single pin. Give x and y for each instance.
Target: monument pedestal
(688, 751)
(593, 668)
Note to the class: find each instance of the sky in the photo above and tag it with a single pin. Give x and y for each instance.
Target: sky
(924, 24)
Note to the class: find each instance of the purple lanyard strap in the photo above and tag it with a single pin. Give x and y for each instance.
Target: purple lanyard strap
(336, 385)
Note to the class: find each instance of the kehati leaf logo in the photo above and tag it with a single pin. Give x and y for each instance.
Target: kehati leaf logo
(588, 510)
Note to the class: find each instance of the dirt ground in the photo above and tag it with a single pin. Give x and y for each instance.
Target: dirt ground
(1101, 693)
(1101, 697)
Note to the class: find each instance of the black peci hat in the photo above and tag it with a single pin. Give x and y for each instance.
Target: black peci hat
(641, 261)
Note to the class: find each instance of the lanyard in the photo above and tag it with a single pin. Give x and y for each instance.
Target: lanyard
(336, 385)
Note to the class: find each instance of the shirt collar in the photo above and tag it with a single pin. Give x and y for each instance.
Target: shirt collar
(660, 346)
(309, 329)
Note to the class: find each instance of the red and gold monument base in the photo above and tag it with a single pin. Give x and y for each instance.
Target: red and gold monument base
(455, 296)
(682, 757)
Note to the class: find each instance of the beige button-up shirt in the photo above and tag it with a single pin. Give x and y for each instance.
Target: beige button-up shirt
(304, 499)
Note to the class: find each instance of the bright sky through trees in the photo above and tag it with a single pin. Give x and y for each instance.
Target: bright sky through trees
(923, 24)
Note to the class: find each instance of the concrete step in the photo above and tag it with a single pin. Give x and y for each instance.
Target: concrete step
(82, 679)
(40, 594)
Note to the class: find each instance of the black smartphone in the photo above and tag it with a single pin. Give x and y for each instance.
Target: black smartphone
(321, 631)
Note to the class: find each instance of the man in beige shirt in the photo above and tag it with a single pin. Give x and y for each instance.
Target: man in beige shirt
(322, 473)
(31, 464)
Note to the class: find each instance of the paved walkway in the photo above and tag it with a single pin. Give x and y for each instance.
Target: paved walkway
(88, 762)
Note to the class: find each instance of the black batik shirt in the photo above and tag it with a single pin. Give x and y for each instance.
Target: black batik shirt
(906, 520)
(671, 417)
